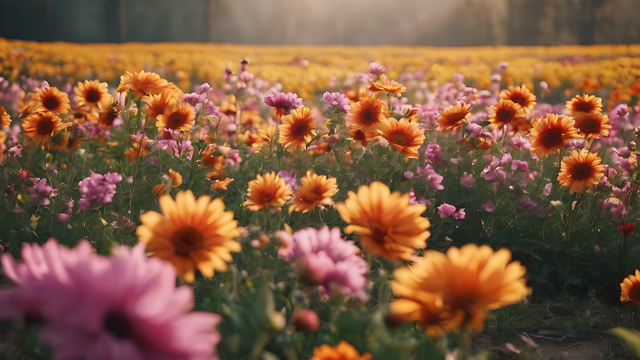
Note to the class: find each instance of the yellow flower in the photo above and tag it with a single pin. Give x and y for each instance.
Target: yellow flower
(5, 118)
(453, 117)
(521, 96)
(388, 86)
(265, 191)
(581, 170)
(343, 351)
(41, 127)
(588, 104)
(296, 129)
(141, 84)
(180, 117)
(315, 190)
(389, 226)
(404, 135)
(191, 234)
(93, 94)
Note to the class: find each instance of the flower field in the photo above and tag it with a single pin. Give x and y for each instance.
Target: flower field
(183, 201)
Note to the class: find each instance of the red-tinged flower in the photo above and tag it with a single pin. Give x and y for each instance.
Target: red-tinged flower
(626, 228)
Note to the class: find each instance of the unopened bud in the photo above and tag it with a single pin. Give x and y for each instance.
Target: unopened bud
(306, 320)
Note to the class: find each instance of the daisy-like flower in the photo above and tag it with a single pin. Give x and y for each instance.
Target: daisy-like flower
(141, 84)
(315, 190)
(446, 291)
(93, 94)
(631, 289)
(343, 351)
(191, 234)
(141, 148)
(453, 117)
(504, 113)
(551, 134)
(282, 103)
(389, 226)
(366, 114)
(404, 135)
(521, 96)
(5, 118)
(364, 138)
(52, 100)
(180, 117)
(94, 307)
(41, 127)
(389, 86)
(296, 129)
(589, 104)
(109, 118)
(592, 124)
(581, 170)
(173, 176)
(157, 104)
(265, 191)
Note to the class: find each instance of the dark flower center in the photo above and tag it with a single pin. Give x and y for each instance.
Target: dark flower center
(634, 293)
(108, 118)
(398, 138)
(367, 115)
(581, 171)
(93, 96)
(583, 106)
(50, 103)
(45, 126)
(551, 138)
(175, 120)
(504, 115)
(299, 129)
(118, 325)
(455, 118)
(588, 125)
(519, 99)
(187, 239)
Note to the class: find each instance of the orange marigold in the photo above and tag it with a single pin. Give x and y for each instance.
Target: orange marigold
(315, 190)
(581, 170)
(51, 100)
(93, 94)
(404, 135)
(296, 129)
(366, 114)
(389, 226)
(41, 127)
(504, 113)
(630, 287)
(453, 116)
(552, 134)
(157, 104)
(521, 96)
(265, 191)
(388, 86)
(584, 104)
(141, 84)
(180, 117)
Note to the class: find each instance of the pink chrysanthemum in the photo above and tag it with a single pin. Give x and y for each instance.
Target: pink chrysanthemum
(98, 189)
(99, 308)
(282, 103)
(323, 258)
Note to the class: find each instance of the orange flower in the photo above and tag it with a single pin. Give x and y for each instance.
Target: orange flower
(157, 104)
(343, 351)
(630, 287)
(266, 191)
(552, 134)
(93, 94)
(297, 128)
(41, 127)
(52, 100)
(580, 170)
(366, 114)
(315, 190)
(592, 124)
(5, 118)
(268, 134)
(174, 177)
(584, 104)
(388, 224)
(191, 234)
(444, 292)
(141, 84)
(141, 148)
(388, 86)
(218, 185)
(504, 113)
(521, 96)
(108, 117)
(180, 117)
(364, 137)
(453, 116)
(254, 140)
(403, 135)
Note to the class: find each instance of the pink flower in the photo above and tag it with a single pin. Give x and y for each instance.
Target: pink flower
(467, 180)
(289, 179)
(433, 179)
(519, 165)
(284, 102)
(40, 192)
(376, 68)
(94, 307)
(489, 206)
(612, 207)
(168, 141)
(432, 152)
(323, 258)
(445, 210)
(417, 198)
(98, 189)
(336, 99)
(475, 130)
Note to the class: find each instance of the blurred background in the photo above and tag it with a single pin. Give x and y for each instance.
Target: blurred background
(326, 22)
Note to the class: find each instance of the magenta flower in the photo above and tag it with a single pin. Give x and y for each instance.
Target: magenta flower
(289, 179)
(41, 192)
(95, 307)
(376, 69)
(168, 141)
(282, 102)
(417, 198)
(323, 258)
(519, 165)
(475, 130)
(467, 180)
(432, 152)
(489, 206)
(336, 99)
(433, 179)
(98, 189)
(445, 210)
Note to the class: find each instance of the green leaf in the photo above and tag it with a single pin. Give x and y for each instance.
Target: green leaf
(630, 337)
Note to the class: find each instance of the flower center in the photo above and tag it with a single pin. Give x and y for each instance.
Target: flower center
(504, 115)
(118, 325)
(92, 96)
(455, 118)
(583, 106)
(551, 138)
(519, 99)
(108, 118)
(187, 239)
(299, 129)
(398, 138)
(312, 195)
(634, 293)
(588, 125)
(367, 115)
(45, 126)
(175, 120)
(581, 171)
(50, 103)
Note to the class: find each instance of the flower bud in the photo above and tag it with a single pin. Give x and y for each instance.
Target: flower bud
(306, 320)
